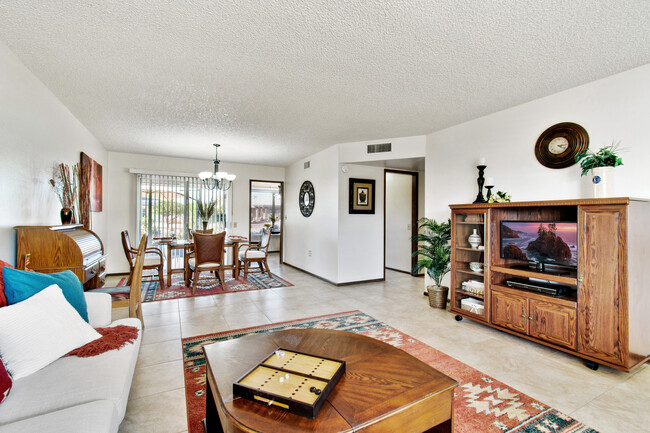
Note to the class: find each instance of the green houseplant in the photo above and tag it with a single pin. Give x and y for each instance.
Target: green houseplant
(606, 157)
(205, 211)
(601, 165)
(434, 254)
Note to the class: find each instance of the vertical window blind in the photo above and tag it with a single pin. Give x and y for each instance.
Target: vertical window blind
(167, 206)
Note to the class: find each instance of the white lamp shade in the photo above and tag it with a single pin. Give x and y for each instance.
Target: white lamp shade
(205, 175)
(231, 177)
(220, 175)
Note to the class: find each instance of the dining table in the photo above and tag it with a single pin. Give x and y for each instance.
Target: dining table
(232, 241)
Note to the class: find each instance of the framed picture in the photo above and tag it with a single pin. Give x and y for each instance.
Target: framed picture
(362, 196)
(90, 165)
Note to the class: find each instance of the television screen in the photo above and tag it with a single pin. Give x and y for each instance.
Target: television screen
(550, 242)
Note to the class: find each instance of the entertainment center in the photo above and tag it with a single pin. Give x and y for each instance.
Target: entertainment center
(579, 282)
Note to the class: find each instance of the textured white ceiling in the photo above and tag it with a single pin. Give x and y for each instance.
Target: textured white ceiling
(277, 80)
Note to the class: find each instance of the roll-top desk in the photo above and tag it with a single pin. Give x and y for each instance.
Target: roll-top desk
(57, 248)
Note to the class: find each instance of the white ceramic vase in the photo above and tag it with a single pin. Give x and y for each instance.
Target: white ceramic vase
(474, 239)
(602, 178)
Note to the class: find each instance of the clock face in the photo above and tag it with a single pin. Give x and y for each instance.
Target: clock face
(306, 198)
(558, 145)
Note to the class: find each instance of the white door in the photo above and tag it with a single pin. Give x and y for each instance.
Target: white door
(399, 206)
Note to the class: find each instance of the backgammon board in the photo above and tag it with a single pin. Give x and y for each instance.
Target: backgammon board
(295, 381)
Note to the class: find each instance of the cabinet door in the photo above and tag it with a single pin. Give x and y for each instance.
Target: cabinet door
(602, 291)
(509, 311)
(553, 323)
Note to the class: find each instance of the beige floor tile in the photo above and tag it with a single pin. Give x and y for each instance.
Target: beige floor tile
(159, 413)
(160, 333)
(157, 378)
(158, 353)
(165, 319)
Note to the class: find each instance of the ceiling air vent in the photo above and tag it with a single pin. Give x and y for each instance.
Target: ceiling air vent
(377, 148)
(307, 164)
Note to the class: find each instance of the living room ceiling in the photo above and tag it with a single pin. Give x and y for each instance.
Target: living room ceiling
(279, 80)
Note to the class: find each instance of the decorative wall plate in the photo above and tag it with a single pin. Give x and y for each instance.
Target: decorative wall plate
(558, 146)
(306, 198)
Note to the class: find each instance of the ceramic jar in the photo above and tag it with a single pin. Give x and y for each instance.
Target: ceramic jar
(602, 179)
(474, 239)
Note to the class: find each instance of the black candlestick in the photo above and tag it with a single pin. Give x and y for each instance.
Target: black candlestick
(480, 181)
(489, 191)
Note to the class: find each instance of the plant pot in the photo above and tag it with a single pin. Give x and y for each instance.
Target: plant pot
(602, 179)
(205, 226)
(66, 215)
(438, 296)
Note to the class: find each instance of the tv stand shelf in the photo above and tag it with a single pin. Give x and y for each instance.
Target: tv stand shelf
(532, 274)
(603, 316)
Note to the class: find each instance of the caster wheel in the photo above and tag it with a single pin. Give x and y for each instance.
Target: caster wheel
(592, 365)
(458, 318)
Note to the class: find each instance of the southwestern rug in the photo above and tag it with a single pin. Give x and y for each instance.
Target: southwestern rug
(481, 403)
(208, 285)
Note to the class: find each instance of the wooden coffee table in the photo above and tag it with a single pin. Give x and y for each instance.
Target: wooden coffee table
(384, 389)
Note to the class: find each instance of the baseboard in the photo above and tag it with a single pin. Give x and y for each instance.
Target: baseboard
(118, 274)
(332, 282)
(401, 271)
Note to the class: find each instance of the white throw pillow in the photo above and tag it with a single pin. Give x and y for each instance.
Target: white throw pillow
(39, 330)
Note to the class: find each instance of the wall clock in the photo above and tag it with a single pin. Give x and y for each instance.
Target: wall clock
(558, 146)
(306, 198)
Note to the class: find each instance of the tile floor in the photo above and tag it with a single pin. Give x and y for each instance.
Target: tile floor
(607, 400)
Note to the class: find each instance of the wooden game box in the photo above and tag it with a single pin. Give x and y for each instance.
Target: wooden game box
(291, 380)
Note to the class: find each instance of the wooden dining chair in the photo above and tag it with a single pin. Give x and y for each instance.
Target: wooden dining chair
(249, 254)
(208, 256)
(154, 261)
(130, 296)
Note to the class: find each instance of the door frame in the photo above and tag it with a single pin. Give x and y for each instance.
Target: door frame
(414, 215)
(250, 188)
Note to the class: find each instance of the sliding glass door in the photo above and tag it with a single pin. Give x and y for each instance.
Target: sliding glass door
(266, 211)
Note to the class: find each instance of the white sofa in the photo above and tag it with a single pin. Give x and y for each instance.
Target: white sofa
(76, 394)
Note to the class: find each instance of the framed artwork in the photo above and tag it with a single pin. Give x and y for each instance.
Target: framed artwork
(89, 165)
(362, 196)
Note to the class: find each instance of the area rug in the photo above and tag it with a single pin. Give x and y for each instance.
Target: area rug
(481, 403)
(208, 285)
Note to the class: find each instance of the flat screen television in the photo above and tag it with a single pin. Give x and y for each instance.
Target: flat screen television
(541, 242)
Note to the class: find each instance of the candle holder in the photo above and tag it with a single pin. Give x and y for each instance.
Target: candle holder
(480, 181)
(489, 191)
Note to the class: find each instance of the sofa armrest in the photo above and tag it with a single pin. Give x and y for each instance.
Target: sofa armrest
(99, 309)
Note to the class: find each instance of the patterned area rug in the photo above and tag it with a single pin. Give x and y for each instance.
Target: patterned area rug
(481, 403)
(208, 285)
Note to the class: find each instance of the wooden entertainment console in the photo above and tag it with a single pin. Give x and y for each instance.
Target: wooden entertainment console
(603, 318)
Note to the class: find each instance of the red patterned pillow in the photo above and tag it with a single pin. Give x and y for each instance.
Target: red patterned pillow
(3, 298)
(5, 382)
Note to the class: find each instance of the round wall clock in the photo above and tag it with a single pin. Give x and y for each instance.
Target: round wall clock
(306, 198)
(558, 146)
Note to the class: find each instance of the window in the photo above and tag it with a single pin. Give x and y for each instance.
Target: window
(167, 206)
(266, 208)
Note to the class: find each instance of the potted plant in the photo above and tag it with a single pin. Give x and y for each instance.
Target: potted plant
(205, 211)
(601, 164)
(434, 254)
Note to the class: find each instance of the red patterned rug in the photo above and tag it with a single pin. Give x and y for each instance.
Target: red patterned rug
(481, 403)
(208, 285)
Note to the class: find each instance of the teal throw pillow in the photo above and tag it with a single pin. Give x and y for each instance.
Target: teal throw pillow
(20, 285)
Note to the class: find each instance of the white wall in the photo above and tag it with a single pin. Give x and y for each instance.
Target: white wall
(617, 107)
(614, 108)
(122, 202)
(319, 232)
(36, 133)
(360, 236)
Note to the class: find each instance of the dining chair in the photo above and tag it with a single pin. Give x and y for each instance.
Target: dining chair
(251, 253)
(208, 256)
(131, 295)
(154, 261)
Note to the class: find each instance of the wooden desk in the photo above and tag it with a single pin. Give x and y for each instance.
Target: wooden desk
(384, 389)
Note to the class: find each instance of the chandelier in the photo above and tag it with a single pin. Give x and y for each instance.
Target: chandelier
(217, 179)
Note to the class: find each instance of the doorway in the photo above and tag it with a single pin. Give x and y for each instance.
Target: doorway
(266, 210)
(400, 220)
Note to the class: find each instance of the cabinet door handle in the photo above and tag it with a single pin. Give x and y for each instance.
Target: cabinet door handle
(531, 317)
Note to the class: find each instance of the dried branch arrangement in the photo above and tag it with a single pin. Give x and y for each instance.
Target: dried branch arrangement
(205, 210)
(65, 185)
